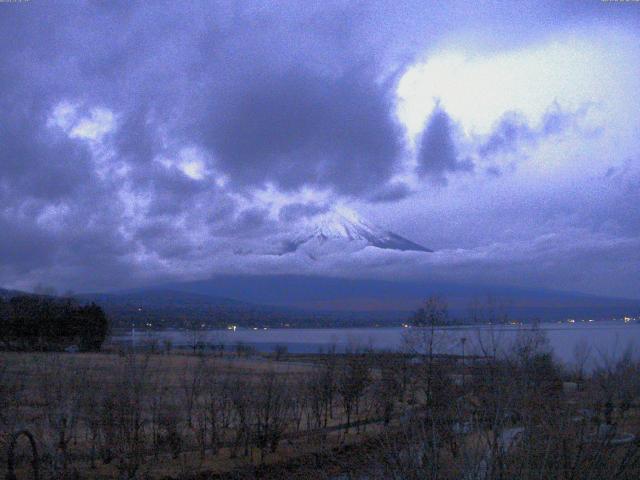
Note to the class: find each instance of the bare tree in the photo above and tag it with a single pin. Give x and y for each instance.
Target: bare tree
(217, 398)
(271, 407)
(388, 388)
(191, 386)
(124, 415)
(582, 353)
(60, 388)
(353, 378)
(242, 415)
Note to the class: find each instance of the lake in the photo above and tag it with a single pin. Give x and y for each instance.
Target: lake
(602, 340)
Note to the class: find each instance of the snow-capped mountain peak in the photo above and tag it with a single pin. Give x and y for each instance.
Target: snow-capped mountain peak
(345, 229)
(343, 224)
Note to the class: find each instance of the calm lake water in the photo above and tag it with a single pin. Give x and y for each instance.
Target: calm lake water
(600, 340)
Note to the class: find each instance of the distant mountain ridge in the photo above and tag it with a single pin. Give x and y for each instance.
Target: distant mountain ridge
(333, 294)
(159, 297)
(320, 301)
(165, 307)
(6, 294)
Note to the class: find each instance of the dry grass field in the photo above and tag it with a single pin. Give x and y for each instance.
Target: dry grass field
(172, 414)
(131, 415)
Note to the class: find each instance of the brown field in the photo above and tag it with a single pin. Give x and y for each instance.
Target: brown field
(186, 415)
(48, 386)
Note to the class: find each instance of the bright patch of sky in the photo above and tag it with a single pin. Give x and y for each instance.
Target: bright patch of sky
(94, 127)
(190, 161)
(477, 89)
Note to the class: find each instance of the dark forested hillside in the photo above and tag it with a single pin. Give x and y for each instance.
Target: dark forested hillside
(31, 322)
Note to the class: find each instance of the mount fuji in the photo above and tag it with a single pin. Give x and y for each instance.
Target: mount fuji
(343, 231)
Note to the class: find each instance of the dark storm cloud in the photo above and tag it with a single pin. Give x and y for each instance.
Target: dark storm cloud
(246, 226)
(514, 131)
(36, 162)
(252, 219)
(438, 154)
(84, 242)
(279, 96)
(391, 193)
(164, 238)
(297, 211)
(299, 127)
(169, 190)
(24, 246)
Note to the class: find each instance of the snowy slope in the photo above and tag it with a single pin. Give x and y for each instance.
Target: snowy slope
(342, 230)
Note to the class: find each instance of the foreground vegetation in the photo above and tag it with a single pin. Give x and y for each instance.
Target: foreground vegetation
(509, 413)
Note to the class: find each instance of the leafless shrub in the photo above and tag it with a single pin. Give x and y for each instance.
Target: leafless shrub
(242, 415)
(124, 419)
(271, 411)
(60, 392)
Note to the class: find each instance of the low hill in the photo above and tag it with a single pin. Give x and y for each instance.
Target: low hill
(377, 297)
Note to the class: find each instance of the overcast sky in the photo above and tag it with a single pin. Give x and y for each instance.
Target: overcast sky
(147, 141)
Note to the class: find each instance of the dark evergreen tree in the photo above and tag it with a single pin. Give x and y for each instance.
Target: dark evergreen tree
(30, 322)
